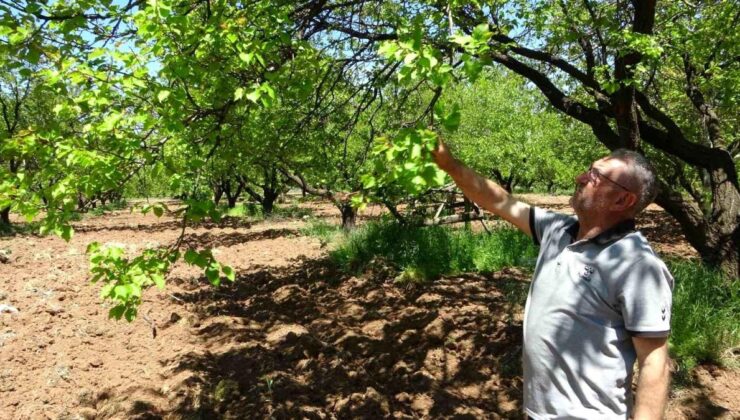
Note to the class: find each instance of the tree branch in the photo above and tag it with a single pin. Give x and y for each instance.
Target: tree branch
(594, 118)
(709, 117)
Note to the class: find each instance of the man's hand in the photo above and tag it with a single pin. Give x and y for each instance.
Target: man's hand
(443, 157)
(652, 385)
(485, 192)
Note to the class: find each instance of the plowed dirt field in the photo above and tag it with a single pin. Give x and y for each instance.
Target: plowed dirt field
(291, 338)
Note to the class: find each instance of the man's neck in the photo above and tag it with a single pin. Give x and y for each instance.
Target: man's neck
(588, 229)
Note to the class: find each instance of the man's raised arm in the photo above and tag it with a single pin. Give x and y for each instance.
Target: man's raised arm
(485, 192)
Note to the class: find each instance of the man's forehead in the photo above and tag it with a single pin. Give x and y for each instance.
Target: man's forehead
(609, 163)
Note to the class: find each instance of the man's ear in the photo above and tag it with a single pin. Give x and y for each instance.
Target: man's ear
(625, 201)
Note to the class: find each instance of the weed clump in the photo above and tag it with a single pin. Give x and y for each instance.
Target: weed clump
(429, 252)
(705, 324)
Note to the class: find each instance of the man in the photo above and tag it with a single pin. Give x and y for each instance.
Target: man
(600, 298)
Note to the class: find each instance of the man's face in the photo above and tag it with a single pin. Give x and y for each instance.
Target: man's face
(599, 188)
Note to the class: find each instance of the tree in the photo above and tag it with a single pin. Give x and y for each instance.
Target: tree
(14, 102)
(509, 133)
(659, 79)
(132, 80)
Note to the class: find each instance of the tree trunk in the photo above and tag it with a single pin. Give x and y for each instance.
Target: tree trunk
(714, 234)
(394, 211)
(232, 198)
(349, 216)
(550, 186)
(218, 192)
(5, 217)
(80, 202)
(231, 201)
(268, 200)
(501, 180)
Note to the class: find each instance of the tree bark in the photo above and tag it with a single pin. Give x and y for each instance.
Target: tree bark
(231, 201)
(349, 216)
(218, 192)
(5, 218)
(268, 200)
(714, 234)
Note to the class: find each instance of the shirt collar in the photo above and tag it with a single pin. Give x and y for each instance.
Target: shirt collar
(615, 232)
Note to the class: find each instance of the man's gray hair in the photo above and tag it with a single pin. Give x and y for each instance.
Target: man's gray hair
(643, 174)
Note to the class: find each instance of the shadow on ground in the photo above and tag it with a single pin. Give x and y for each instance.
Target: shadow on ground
(174, 225)
(227, 239)
(306, 342)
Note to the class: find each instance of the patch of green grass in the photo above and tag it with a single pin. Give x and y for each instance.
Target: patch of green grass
(253, 211)
(102, 209)
(324, 231)
(705, 324)
(291, 212)
(242, 210)
(432, 251)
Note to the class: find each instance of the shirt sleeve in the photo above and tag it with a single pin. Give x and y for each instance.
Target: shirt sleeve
(646, 297)
(543, 222)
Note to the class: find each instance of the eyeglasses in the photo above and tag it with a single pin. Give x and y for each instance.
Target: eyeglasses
(594, 173)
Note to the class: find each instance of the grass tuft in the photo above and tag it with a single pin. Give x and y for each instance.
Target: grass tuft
(427, 253)
(324, 231)
(705, 324)
(112, 206)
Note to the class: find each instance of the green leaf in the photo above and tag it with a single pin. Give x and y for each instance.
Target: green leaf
(162, 95)
(228, 272)
(452, 121)
(238, 93)
(461, 39)
(415, 152)
(67, 233)
(246, 57)
(481, 33)
(418, 180)
(34, 54)
(472, 68)
(92, 247)
(388, 49)
(158, 280)
(107, 290)
(191, 256)
(116, 311)
(369, 181)
(213, 274)
(110, 122)
(122, 291)
(254, 95)
(130, 314)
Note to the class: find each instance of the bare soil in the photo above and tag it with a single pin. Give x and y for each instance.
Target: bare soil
(291, 338)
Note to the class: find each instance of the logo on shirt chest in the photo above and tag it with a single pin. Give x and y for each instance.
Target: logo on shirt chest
(586, 272)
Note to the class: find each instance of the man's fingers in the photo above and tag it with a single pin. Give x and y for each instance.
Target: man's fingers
(442, 156)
